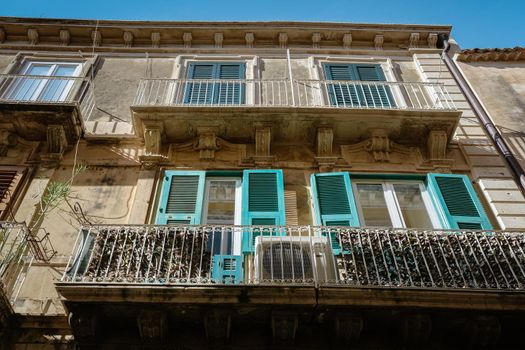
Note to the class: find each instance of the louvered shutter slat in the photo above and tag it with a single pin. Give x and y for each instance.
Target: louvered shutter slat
(230, 92)
(375, 95)
(458, 201)
(9, 179)
(200, 92)
(341, 94)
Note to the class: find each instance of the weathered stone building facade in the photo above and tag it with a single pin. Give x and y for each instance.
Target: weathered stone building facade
(249, 185)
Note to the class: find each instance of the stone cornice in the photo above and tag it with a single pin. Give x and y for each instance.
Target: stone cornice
(37, 32)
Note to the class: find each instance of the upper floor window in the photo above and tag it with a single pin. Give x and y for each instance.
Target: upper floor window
(358, 85)
(41, 82)
(215, 83)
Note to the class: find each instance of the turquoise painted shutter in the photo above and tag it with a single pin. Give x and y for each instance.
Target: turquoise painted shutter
(181, 197)
(377, 96)
(227, 269)
(341, 94)
(230, 92)
(458, 201)
(262, 202)
(200, 92)
(334, 203)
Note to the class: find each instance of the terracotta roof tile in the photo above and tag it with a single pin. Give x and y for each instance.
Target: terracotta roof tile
(493, 54)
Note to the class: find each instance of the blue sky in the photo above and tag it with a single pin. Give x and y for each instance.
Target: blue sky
(478, 23)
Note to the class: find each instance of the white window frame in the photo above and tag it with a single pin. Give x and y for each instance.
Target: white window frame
(53, 66)
(393, 207)
(237, 234)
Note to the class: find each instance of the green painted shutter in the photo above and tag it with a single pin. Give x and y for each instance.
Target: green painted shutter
(230, 92)
(200, 92)
(334, 203)
(181, 198)
(376, 96)
(341, 94)
(458, 200)
(263, 202)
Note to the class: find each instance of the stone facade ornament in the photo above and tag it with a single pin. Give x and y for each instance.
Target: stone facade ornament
(415, 329)
(56, 139)
(187, 38)
(7, 140)
(437, 144)
(32, 35)
(250, 38)
(65, 37)
(347, 41)
(380, 145)
(152, 325)
(316, 40)
(284, 326)
(378, 41)
(96, 37)
(2, 35)
(432, 40)
(207, 143)
(155, 39)
(482, 331)
(348, 327)
(84, 324)
(414, 41)
(283, 40)
(218, 38)
(217, 325)
(128, 38)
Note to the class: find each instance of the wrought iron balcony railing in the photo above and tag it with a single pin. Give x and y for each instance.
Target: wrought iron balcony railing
(296, 93)
(15, 257)
(298, 255)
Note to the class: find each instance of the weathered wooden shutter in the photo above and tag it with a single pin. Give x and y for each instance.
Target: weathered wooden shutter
(10, 178)
(262, 202)
(458, 200)
(334, 203)
(211, 90)
(181, 197)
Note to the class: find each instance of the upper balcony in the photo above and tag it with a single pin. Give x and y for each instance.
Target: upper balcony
(407, 110)
(32, 105)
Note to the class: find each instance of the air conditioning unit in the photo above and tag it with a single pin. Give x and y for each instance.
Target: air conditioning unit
(293, 259)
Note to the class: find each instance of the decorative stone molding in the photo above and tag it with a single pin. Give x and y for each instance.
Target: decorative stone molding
(432, 40)
(263, 135)
(155, 39)
(7, 140)
(3, 36)
(378, 41)
(96, 37)
(325, 139)
(380, 145)
(415, 329)
(347, 41)
(482, 331)
(316, 40)
(56, 139)
(128, 38)
(152, 325)
(207, 143)
(65, 37)
(152, 139)
(348, 327)
(186, 38)
(414, 40)
(217, 324)
(32, 35)
(250, 39)
(218, 38)
(284, 326)
(283, 40)
(437, 144)
(84, 324)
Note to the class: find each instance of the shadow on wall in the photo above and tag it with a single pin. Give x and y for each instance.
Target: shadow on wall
(516, 141)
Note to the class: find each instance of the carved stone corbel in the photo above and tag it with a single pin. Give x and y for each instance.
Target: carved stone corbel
(3, 36)
(155, 39)
(437, 144)
(32, 35)
(207, 142)
(413, 42)
(128, 38)
(96, 37)
(218, 38)
(348, 327)
(153, 134)
(378, 41)
(217, 325)
(85, 326)
(7, 140)
(415, 329)
(187, 38)
(284, 326)
(482, 331)
(347, 41)
(316, 40)
(379, 145)
(152, 326)
(283, 40)
(56, 145)
(263, 139)
(324, 148)
(250, 38)
(65, 37)
(432, 40)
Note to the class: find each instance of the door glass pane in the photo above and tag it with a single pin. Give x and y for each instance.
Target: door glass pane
(373, 205)
(221, 211)
(412, 206)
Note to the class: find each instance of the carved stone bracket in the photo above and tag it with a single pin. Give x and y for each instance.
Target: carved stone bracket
(7, 140)
(415, 329)
(207, 143)
(283, 40)
(2, 35)
(414, 40)
(217, 325)
(152, 326)
(380, 145)
(316, 40)
(432, 40)
(153, 135)
(348, 327)
(284, 326)
(347, 41)
(378, 41)
(437, 144)
(324, 144)
(219, 38)
(250, 38)
(482, 331)
(56, 145)
(128, 38)
(32, 35)
(65, 37)
(263, 139)
(186, 38)
(155, 39)
(85, 326)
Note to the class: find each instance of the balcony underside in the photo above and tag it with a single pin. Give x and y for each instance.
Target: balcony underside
(410, 127)
(30, 120)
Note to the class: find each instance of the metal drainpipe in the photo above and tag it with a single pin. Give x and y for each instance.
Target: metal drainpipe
(481, 113)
